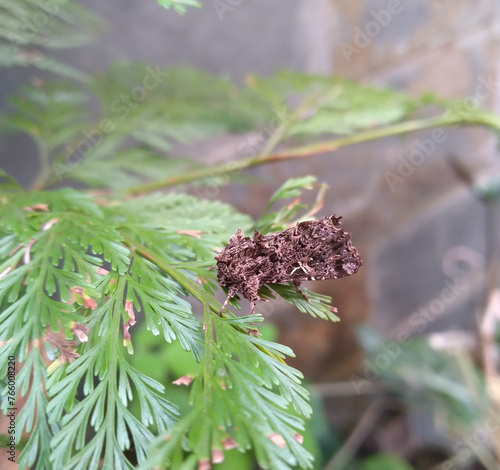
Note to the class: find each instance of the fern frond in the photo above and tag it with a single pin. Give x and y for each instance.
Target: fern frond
(316, 305)
(29, 27)
(331, 105)
(179, 5)
(71, 267)
(243, 402)
(286, 215)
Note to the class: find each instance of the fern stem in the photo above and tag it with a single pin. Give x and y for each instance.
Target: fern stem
(445, 120)
(208, 362)
(208, 302)
(45, 172)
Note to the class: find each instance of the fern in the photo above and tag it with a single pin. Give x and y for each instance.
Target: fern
(241, 401)
(28, 28)
(77, 270)
(74, 269)
(179, 5)
(128, 138)
(331, 105)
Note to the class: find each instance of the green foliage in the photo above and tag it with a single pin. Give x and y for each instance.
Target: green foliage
(27, 27)
(384, 462)
(145, 112)
(77, 268)
(73, 266)
(313, 304)
(130, 137)
(179, 5)
(52, 116)
(331, 105)
(275, 221)
(8, 183)
(444, 383)
(243, 402)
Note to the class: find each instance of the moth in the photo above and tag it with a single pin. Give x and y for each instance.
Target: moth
(309, 251)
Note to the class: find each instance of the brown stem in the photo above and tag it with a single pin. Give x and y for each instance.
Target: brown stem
(445, 120)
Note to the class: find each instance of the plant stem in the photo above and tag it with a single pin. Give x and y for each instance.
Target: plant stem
(45, 172)
(208, 303)
(357, 437)
(445, 120)
(208, 362)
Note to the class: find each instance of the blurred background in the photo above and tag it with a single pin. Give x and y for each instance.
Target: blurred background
(400, 382)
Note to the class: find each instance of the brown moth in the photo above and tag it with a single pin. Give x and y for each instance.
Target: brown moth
(309, 251)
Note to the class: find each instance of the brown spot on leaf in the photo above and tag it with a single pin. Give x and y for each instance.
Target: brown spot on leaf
(184, 380)
(49, 224)
(80, 331)
(6, 271)
(298, 437)
(191, 233)
(37, 207)
(278, 440)
(89, 302)
(217, 456)
(204, 464)
(66, 349)
(27, 251)
(229, 443)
